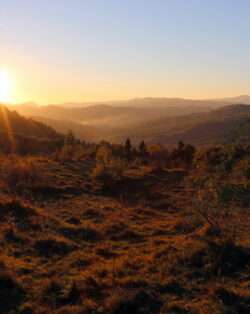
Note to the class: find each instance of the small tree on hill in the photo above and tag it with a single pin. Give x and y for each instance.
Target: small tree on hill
(70, 138)
(128, 149)
(189, 153)
(158, 155)
(143, 149)
(181, 146)
(104, 154)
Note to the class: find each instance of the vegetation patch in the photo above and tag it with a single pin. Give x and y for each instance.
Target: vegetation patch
(142, 302)
(12, 293)
(53, 247)
(88, 233)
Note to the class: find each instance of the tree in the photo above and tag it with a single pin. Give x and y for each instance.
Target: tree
(70, 138)
(183, 155)
(158, 154)
(104, 154)
(143, 149)
(128, 149)
(181, 146)
(189, 153)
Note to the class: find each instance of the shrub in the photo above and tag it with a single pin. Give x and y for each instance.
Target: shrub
(243, 168)
(239, 194)
(17, 172)
(100, 172)
(71, 152)
(140, 302)
(52, 246)
(109, 171)
(210, 205)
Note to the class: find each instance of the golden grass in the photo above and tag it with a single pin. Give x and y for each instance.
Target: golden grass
(67, 248)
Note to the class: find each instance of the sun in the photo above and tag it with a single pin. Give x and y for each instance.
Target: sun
(5, 86)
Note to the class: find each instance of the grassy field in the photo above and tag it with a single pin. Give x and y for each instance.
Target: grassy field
(151, 243)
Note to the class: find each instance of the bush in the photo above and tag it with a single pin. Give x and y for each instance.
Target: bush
(211, 206)
(243, 168)
(71, 152)
(17, 172)
(52, 246)
(100, 173)
(239, 194)
(140, 302)
(111, 170)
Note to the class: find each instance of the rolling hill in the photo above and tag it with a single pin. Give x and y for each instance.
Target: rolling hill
(167, 125)
(20, 133)
(117, 114)
(200, 129)
(88, 133)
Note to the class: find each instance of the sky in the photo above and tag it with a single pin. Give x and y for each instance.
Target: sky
(57, 51)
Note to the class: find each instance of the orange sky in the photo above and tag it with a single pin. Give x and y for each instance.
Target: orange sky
(79, 51)
(33, 83)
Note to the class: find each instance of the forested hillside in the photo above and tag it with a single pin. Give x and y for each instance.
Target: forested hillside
(25, 135)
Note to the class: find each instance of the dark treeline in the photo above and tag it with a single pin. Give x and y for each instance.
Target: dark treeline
(105, 152)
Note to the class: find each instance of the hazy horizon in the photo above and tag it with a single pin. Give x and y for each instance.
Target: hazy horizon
(126, 100)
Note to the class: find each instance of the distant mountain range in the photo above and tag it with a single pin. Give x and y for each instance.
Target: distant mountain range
(217, 126)
(163, 120)
(108, 115)
(242, 99)
(157, 102)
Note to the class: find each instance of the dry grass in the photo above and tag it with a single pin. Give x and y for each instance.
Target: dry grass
(77, 250)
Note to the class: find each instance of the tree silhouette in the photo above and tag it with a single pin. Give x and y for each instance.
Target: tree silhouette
(70, 138)
(143, 149)
(128, 149)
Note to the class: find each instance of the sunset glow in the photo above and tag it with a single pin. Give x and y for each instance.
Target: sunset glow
(148, 49)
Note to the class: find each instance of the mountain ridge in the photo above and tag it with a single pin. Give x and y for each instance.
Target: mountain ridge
(244, 98)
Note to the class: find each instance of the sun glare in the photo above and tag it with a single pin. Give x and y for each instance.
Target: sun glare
(5, 86)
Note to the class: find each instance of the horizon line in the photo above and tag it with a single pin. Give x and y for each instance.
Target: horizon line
(93, 102)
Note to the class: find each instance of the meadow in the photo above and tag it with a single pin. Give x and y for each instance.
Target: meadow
(101, 228)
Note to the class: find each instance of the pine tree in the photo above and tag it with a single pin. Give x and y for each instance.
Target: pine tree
(70, 138)
(143, 149)
(181, 146)
(128, 149)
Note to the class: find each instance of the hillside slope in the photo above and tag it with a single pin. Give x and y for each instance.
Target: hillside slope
(200, 128)
(112, 115)
(115, 124)
(19, 133)
(88, 133)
